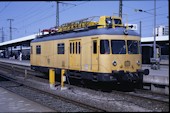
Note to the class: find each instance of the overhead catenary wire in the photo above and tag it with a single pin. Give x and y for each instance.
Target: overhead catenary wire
(48, 16)
(35, 13)
(29, 11)
(34, 23)
(53, 14)
(133, 8)
(5, 7)
(44, 15)
(147, 17)
(146, 9)
(26, 14)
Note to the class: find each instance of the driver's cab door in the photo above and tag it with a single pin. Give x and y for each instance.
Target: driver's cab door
(95, 54)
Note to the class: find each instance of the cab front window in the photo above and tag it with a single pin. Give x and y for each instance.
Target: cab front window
(118, 47)
(117, 21)
(133, 47)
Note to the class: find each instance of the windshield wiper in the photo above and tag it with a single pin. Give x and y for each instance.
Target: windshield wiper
(123, 48)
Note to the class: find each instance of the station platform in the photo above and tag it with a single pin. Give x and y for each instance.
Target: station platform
(164, 62)
(158, 77)
(10, 102)
(157, 80)
(15, 61)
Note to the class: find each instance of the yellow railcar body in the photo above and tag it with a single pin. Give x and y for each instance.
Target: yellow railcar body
(99, 51)
(86, 60)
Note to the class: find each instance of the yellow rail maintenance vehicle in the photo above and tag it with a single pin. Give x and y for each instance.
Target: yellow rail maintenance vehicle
(103, 51)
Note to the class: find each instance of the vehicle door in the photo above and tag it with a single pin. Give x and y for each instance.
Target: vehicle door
(95, 54)
(75, 54)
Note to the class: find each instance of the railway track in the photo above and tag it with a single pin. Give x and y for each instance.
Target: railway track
(137, 94)
(19, 69)
(147, 94)
(46, 98)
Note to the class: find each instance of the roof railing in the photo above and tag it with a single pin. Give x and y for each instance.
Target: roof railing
(93, 22)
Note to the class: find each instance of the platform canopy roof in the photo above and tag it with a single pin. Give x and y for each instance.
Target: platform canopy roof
(158, 38)
(22, 39)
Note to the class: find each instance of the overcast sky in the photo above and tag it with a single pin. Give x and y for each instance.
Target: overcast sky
(28, 17)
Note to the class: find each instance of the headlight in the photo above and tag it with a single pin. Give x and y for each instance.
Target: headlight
(114, 63)
(138, 62)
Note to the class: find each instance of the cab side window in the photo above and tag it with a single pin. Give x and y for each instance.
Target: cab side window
(38, 49)
(60, 48)
(104, 47)
(94, 46)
